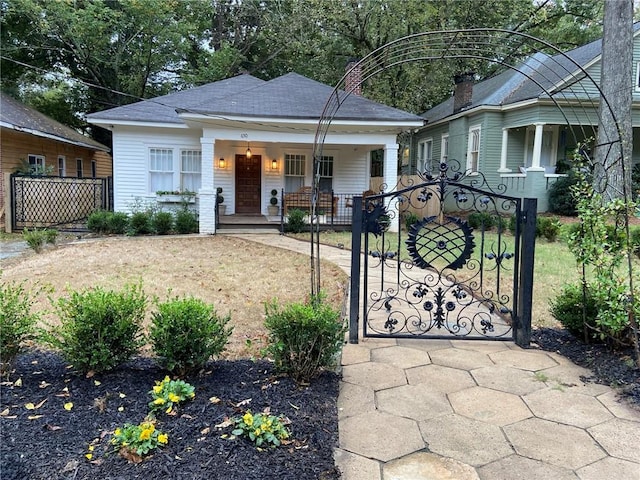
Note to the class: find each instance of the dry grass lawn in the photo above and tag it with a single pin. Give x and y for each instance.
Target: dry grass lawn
(235, 275)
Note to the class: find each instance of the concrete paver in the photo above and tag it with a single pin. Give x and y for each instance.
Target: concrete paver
(576, 429)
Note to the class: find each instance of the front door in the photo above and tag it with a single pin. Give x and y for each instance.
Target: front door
(248, 184)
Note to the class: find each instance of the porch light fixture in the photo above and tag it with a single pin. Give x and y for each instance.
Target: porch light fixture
(222, 163)
(274, 164)
(248, 153)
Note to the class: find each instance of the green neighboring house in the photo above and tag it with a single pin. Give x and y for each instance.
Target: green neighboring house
(519, 127)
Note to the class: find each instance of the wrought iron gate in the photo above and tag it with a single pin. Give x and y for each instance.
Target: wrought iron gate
(62, 202)
(465, 269)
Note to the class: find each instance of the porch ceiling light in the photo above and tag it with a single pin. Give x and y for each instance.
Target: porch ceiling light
(248, 153)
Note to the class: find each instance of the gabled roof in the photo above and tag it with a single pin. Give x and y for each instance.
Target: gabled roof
(18, 116)
(539, 76)
(291, 96)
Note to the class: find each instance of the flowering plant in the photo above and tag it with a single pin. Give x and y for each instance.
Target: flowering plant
(262, 428)
(168, 393)
(139, 439)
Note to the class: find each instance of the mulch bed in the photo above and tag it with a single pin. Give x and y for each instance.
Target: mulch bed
(53, 443)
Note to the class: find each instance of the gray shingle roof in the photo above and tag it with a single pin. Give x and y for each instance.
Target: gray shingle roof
(543, 73)
(20, 117)
(289, 96)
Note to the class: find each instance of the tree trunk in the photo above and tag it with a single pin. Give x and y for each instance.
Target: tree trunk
(613, 161)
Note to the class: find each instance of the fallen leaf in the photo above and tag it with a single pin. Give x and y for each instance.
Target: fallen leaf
(18, 383)
(52, 428)
(68, 406)
(65, 389)
(205, 431)
(34, 417)
(70, 466)
(214, 400)
(31, 406)
(44, 384)
(35, 362)
(226, 423)
(4, 413)
(97, 383)
(98, 461)
(243, 402)
(121, 408)
(90, 374)
(121, 395)
(294, 406)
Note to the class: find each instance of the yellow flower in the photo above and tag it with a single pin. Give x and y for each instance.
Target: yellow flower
(248, 419)
(91, 448)
(192, 394)
(146, 434)
(174, 398)
(157, 389)
(168, 410)
(257, 432)
(158, 401)
(166, 379)
(163, 438)
(117, 432)
(89, 456)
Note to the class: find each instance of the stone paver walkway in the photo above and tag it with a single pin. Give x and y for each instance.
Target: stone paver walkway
(462, 410)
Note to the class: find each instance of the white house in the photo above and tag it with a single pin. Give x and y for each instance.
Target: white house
(247, 136)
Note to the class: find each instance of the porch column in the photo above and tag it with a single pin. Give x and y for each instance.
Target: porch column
(391, 177)
(207, 194)
(537, 148)
(503, 154)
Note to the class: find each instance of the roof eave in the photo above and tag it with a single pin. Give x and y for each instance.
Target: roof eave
(57, 138)
(110, 123)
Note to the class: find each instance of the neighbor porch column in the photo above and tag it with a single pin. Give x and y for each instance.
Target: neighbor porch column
(503, 154)
(391, 178)
(537, 148)
(207, 194)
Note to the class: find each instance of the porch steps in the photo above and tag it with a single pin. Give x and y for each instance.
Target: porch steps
(234, 224)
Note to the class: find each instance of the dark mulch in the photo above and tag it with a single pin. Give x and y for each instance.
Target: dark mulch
(53, 446)
(613, 368)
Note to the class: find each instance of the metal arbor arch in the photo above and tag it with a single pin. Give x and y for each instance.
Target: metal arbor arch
(577, 100)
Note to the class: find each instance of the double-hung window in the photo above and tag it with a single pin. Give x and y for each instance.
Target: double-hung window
(294, 171)
(160, 169)
(62, 166)
(36, 164)
(425, 155)
(444, 148)
(473, 151)
(79, 168)
(325, 169)
(190, 170)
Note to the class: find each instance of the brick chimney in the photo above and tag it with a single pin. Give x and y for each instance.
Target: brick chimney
(354, 77)
(463, 92)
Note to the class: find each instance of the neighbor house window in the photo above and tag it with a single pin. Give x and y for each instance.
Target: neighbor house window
(444, 148)
(294, 171)
(473, 151)
(190, 170)
(377, 163)
(425, 155)
(62, 166)
(79, 168)
(36, 164)
(160, 169)
(325, 168)
(94, 169)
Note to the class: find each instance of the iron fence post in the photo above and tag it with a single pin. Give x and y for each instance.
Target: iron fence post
(356, 238)
(522, 328)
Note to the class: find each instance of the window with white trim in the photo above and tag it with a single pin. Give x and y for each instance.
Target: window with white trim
(294, 171)
(325, 168)
(36, 164)
(161, 169)
(444, 148)
(190, 170)
(425, 155)
(473, 150)
(79, 170)
(62, 166)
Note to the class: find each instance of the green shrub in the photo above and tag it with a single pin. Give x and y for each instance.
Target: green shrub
(616, 238)
(409, 219)
(117, 223)
(548, 227)
(502, 223)
(561, 200)
(295, 221)
(186, 333)
(635, 241)
(140, 223)
(481, 219)
(99, 329)
(50, 236)
(512, 224)
(186, 221)
(98, 221)
(162, 222)
(17, 322)
(567, 308)
(570, 230)
(35, 238)
(303, 338)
